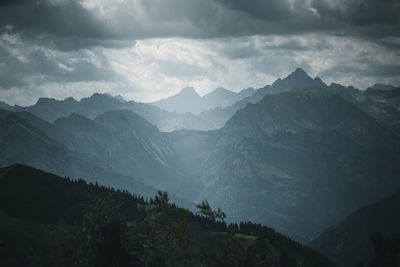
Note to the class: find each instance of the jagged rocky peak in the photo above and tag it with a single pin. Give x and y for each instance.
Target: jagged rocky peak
(298, 79)
(299, 74)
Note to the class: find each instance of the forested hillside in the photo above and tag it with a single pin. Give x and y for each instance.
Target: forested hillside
(50, 221)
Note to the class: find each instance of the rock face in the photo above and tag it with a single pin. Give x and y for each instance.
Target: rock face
(349, 242)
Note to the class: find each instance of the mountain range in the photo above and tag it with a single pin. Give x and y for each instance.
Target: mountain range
(188, 100)
(50, 109)
(297, 155)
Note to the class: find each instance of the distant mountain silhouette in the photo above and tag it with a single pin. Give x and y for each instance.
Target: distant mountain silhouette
(50, 109)
(188, 100)
(349, 242)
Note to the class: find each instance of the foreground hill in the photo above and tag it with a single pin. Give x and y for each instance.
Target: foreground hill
(349, 242)
(50, 221)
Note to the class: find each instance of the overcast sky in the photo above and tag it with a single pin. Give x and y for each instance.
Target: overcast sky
(149, 49)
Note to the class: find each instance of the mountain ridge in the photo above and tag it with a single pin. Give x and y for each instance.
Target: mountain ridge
(188, 100)
(288, 154)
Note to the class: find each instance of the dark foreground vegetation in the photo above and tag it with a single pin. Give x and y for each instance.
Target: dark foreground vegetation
(46, 220)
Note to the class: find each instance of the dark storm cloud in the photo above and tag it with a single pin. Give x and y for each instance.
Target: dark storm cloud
(197, 19)
(360, 17)
(28, 64)
(64, 41)
(361, 13)
(364, 68)
(256, 47)
(53, 21)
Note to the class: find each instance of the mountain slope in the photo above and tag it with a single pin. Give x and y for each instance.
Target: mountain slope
(118, 149)
(24, 139)
(186, 100)
(349, 242)
(285, 160)
(382, 104)
(123, 142)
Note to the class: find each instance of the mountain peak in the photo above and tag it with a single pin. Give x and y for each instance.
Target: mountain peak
(188, 91)
(299, 70)
(298, 79)
(298, 74)
(220, 91)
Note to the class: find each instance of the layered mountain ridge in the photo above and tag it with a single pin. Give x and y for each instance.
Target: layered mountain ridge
(50, 109)
(297, 155)
(188, 100)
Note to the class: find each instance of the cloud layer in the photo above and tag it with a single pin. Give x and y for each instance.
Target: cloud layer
(146, 49)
